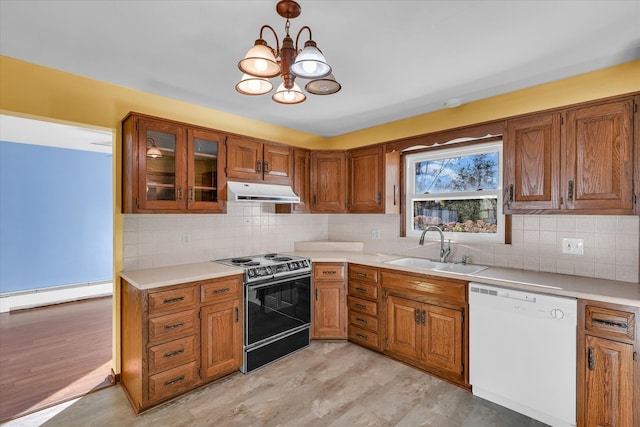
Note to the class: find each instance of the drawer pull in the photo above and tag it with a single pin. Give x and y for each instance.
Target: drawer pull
(358, 319)
(591, 358)
(175, 380)
(221, 291)
(417, 314)
(174, 353)
(329, 272)
(175, 325)
(361, 274)
(360, 306)
(364, 337)
(363, 290)
(610, 323)
(172, 300)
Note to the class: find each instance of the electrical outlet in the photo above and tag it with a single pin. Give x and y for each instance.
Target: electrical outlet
(375, 234)
(573, 246)
(186, 238)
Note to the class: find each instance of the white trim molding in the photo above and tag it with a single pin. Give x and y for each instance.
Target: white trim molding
(32, 298)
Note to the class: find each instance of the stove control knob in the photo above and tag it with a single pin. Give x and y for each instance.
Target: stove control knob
(268, 269)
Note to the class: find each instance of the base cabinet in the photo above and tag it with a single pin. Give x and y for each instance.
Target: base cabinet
(176, 338)
(329, 302)
(424, 324)
(363, 304)
(608, 366)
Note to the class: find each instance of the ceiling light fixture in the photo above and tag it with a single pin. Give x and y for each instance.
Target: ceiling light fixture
(262, 62)
(153, 151)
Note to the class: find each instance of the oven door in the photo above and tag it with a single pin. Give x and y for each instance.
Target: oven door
(276, 308)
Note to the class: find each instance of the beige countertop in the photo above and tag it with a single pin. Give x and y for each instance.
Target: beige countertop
(549, 283)
(173, 275)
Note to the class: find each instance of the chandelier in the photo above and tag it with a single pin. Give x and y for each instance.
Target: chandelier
(262, 62)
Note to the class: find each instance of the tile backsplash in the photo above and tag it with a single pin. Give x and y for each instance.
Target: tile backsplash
(611, 243)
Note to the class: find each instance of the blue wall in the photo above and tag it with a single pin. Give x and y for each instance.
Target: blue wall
(56, 224)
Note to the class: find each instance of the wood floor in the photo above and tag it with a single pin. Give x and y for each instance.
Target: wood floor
(331, 384)
(52, 354)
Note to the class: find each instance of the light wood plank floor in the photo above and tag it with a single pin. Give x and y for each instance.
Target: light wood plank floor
(327, 384)
(52, 354)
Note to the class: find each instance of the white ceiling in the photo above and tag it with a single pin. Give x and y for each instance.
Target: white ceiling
(394, 59)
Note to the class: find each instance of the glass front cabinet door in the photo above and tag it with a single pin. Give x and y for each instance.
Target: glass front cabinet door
(171, 167)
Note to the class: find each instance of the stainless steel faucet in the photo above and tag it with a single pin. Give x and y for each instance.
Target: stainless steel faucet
(444, 252)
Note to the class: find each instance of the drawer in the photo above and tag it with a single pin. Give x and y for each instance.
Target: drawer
(445, 289)
(173, 325)
(362, 336)
(173, 381)
(363, 274)
(172, 299)
(363, 306)
(365, 290)
(327, 271)
(613, 323)
(172, 354)
(364, 321)
(221, 290)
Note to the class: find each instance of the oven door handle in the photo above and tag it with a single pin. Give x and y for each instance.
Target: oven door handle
(276, 282)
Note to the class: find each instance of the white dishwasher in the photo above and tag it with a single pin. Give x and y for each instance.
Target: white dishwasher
(522, 352)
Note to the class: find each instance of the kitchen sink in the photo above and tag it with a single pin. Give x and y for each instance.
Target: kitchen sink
(426, 264)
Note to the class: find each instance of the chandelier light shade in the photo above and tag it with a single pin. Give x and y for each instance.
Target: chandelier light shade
(288, 62)
(289, 96)
(250, 85)
(153, 151)
(324, 86)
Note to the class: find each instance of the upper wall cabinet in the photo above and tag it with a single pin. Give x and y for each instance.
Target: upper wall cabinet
(374, 180)
(170, 167)
(254, 160)
(577, 161)
(328, 182)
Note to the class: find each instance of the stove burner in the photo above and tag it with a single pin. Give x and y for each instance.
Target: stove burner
(282, 259)
(270, 255)
(240, 260)
(251, 264)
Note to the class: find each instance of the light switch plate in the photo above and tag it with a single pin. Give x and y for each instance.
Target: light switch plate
(572, 246)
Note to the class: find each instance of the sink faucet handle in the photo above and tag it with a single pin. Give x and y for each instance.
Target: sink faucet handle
(464, 259)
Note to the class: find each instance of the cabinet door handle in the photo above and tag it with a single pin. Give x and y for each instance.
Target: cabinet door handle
(363, 290)
(360, 320)
(424, 318)
(591, 359)
(237, 314)
(221, 291)
(364, 337)
(179, 193)
(361, 274)
(510, 192)
(266, 167)
(259, 166)
(175, 380)
(190, 194)
(329, 272)
(570, 191)
(360, 306)
(417, 314)
(314, 199)
(173, 353)
(316, 294)
(622, 325)
(379, 197)
(175, 325)
(172, 300)
(395, 195)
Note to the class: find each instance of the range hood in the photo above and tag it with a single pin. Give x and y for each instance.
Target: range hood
(250, 192)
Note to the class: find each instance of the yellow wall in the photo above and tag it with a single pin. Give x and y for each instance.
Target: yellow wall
(29, 90)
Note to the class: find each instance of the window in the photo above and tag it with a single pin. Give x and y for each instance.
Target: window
(457, 189)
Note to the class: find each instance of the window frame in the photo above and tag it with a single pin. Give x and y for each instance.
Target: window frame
(410, 160)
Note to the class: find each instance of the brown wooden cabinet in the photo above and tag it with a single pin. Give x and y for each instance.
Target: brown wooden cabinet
(608, 367)
(301, 179)
(531, 150)
(363, 295)
(366, 180)
(328, 182)
(329, 304)
(250, 159)
(187, 174)
(580, 160)
(598, 158)
(424, 323)
(179, 337)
